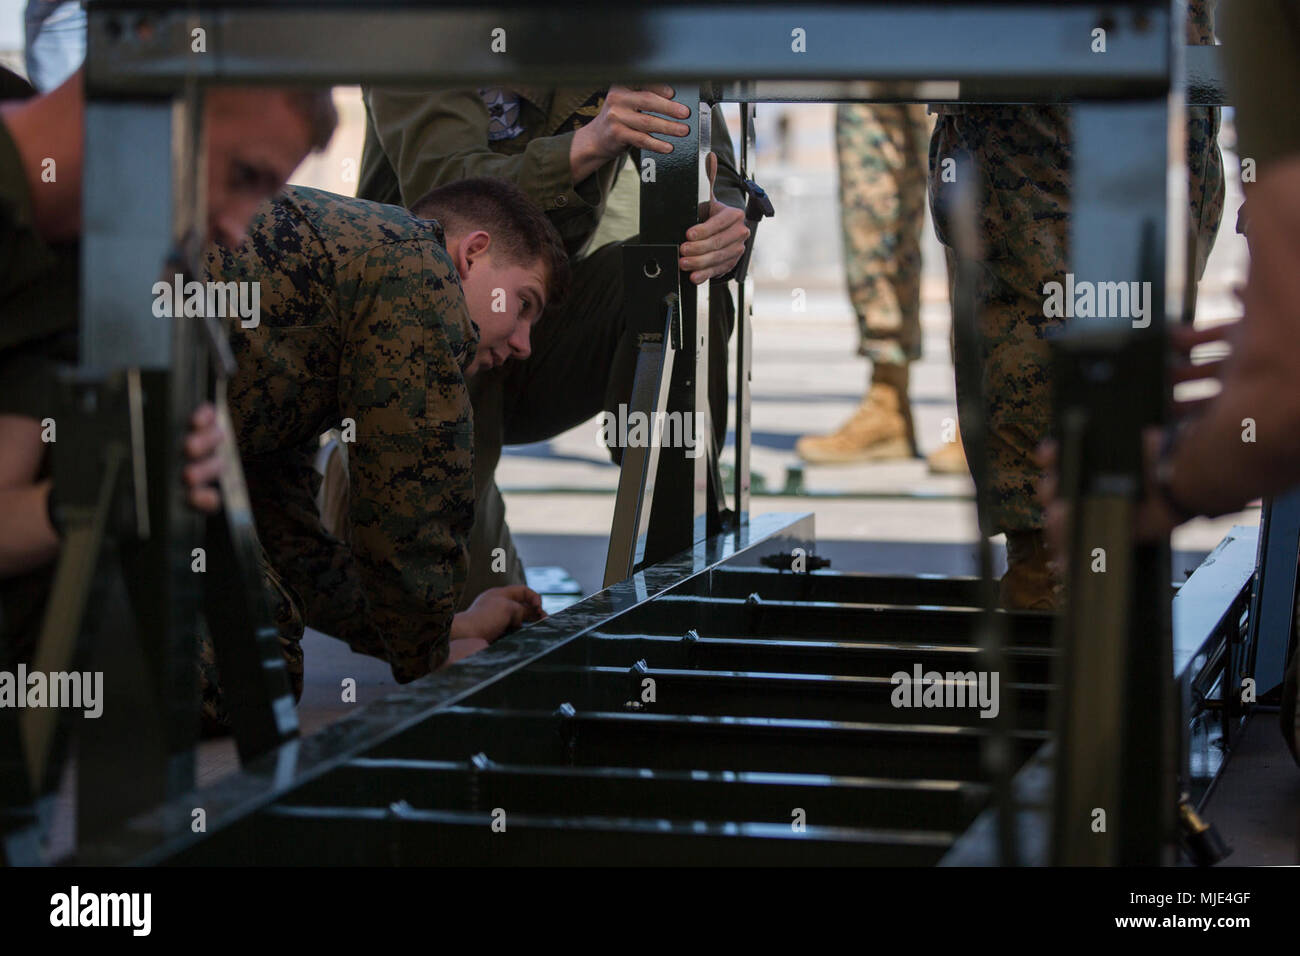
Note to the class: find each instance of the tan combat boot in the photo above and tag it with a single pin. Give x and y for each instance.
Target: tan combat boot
(881, 428)
(1029, 584)
(948, 459)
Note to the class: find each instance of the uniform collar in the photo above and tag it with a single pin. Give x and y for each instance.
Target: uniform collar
(558, 103)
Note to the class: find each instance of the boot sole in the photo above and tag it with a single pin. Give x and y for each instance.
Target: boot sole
(963, 470)
(898, 448)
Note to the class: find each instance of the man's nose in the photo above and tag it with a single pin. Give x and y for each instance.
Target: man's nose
(521, 343)
(231, 218)
(230, 231)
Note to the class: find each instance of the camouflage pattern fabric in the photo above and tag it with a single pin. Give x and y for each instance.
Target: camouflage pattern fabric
(585, 113)
(881, 150)
(1022, 155)
(284, 607)
(363, 327)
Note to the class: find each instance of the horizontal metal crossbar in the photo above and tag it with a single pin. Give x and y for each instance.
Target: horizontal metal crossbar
(688, 742)
(832, 800)
(812, 620)
(1020, 52)
(752, 693)
(797, 656)
(771, 584)
(408, 837)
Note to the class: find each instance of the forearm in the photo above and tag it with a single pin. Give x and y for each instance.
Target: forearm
(410, 466)
(27, 540)
(462, 626)
(414, 623)
(1243, 447)
(411, 509)
(319, 567)
(411, 512)
(47, 130)
(585, 155)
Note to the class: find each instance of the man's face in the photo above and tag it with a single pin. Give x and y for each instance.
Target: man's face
(255, 142)
(504, 299)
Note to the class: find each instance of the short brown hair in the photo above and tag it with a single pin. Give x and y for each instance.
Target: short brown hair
(520, 231)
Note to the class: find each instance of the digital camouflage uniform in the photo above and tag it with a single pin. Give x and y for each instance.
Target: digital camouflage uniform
(881, 151)
(1022, 155)
(363, 322)
(581, 362)
(881, 148)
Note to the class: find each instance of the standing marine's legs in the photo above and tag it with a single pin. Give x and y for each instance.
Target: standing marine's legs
(882, 201)
(1021, 157)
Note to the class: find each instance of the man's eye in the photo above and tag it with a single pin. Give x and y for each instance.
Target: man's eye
(242, 175)
(248, 177)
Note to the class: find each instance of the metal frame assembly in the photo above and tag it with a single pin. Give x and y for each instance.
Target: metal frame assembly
(722, 699)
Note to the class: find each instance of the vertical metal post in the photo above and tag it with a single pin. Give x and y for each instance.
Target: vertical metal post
(744, 344)
(1272, 605)
(140, 174)
(1116, 749)
(678, 200)
(652, 305)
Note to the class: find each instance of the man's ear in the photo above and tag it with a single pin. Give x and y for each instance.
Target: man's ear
(475, 245)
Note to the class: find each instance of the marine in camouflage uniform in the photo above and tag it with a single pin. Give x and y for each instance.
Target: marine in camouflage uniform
(363, 326)
(1022, 155)
(581, 362)
(881, 151)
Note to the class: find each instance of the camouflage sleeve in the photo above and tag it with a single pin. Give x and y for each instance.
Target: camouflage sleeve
(406, 336)
(432, 138)
(282, 490)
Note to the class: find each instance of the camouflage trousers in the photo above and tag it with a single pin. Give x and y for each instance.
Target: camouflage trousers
(1021, 156)
(284, 607)
(881, 149)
